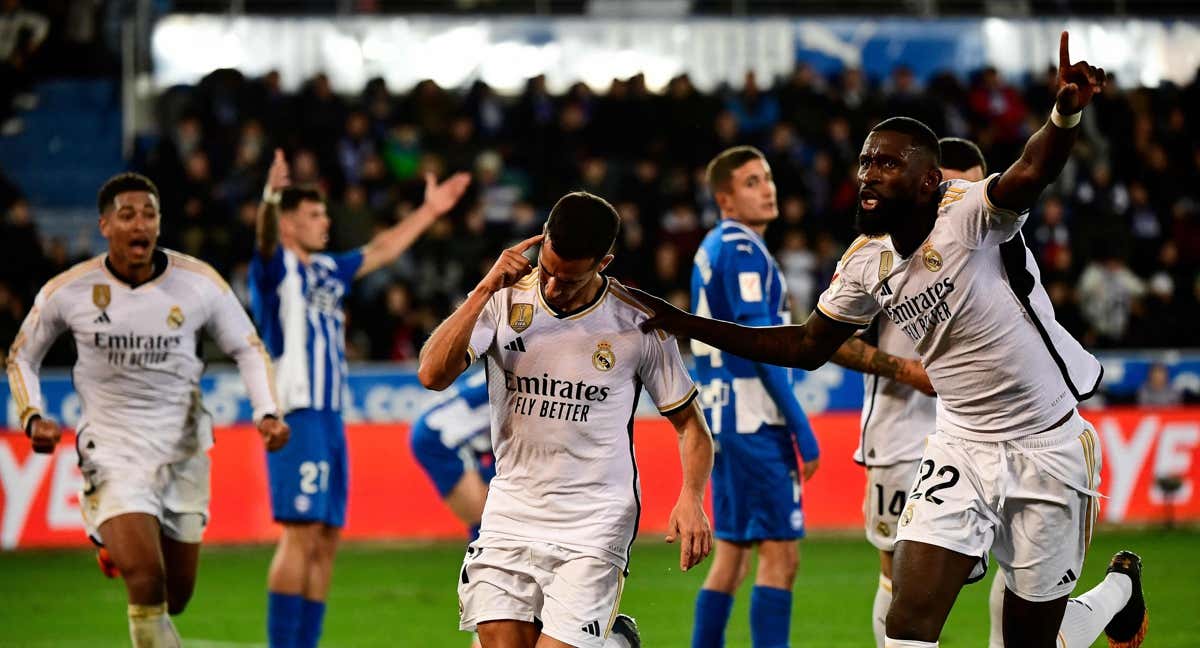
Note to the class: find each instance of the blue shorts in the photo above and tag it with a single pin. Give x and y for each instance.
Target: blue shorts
(309, 475)
(756, 487)
(445, 465)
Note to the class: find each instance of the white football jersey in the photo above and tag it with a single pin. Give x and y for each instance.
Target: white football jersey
(970, 298)
(137, 373)
(563, 390)
(896, 419)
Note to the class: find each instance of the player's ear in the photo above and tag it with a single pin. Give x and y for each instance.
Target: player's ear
(104, 224)
(604, 261)
(933, 178)
(724, 200)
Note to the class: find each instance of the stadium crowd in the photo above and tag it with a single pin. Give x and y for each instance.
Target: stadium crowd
(1117, 238)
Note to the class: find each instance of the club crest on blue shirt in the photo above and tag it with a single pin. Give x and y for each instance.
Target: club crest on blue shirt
(603, 358)
(520, 316)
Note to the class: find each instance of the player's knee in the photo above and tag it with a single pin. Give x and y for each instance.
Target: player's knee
(909, 618)
(147, 584)
(779, 562)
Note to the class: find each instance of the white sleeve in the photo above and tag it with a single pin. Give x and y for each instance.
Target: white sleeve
(848, 299)
(978, 223)
(664, 375)
(484, 333)
(41, 327)
(230, 327)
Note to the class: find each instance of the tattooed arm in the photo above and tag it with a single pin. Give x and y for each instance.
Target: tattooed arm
(860, 356)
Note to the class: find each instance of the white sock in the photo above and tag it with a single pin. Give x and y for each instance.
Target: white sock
(151, 627)
(883, 600)
(996, 613)
(1087, 615)
(909, 643)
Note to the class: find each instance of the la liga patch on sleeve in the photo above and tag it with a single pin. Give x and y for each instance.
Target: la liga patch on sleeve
(750, 286)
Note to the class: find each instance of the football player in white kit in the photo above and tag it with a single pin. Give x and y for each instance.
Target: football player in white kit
(1011, 467)
(566, 362)
(136, 314)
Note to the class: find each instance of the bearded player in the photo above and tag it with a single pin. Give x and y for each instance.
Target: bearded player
(1012, 467)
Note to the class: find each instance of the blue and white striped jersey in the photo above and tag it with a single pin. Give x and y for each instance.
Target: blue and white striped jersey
(736, 279)
(299, 311)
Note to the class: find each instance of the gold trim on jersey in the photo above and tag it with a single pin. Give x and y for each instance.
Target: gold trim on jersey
(691, 394)
(599, 299)
(192, 264)
(471, 355)
(528, 281)
(1088, 441)
(258, 345)
(612, 618)
(618, 291)
(839, 318)
(69, 275)
(16, 382)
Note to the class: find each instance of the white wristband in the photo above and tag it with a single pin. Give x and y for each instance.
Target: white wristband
(271, 197)
(1065, 121)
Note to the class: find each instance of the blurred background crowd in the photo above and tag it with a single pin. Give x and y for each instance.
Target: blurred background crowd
(1117, 238)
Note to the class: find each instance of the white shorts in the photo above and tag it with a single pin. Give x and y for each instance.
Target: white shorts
(887, 490)
(177, 493)
(575, 596)
(1032, 502)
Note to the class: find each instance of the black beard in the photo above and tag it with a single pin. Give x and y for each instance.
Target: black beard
(888, 213)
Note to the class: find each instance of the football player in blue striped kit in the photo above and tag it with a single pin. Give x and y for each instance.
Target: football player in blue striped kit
(297, 294)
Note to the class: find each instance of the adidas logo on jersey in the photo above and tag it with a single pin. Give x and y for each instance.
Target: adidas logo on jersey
(516, 345)
(592, 628)
(103, 319)
(1069, 577)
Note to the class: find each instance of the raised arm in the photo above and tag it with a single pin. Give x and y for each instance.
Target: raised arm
(688, 522)
(807, 346)
(1019, 187)
(865, 358)
(447, 352)
(266, 225)
(388, 245)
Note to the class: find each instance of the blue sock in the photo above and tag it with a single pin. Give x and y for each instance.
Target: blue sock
(770, 617)
(312, 618)
(283, 618)
(712, 615)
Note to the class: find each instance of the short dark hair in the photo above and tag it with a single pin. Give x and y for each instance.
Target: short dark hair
(961, 155)
(291, 197)
(582, 226)
(720, 170)
(119, 184)
(921, 134)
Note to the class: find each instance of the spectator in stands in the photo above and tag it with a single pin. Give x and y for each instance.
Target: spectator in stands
(22, 32)
(1108, 292)
(1158, 391)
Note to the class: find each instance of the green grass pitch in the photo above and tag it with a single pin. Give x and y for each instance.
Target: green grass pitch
(385, 595)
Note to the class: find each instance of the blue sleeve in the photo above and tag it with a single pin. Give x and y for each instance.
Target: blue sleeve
(740, 259)
(348, 264)
(779, 385)
(267, 272)
(752, 307)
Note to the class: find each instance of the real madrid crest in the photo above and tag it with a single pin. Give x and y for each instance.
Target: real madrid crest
(603, 358)
(907, 515)
(101, 295)
(175, 317)
(932, 259)
(520, 316)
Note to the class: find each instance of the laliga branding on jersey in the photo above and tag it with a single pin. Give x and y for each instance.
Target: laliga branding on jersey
(553, 396)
